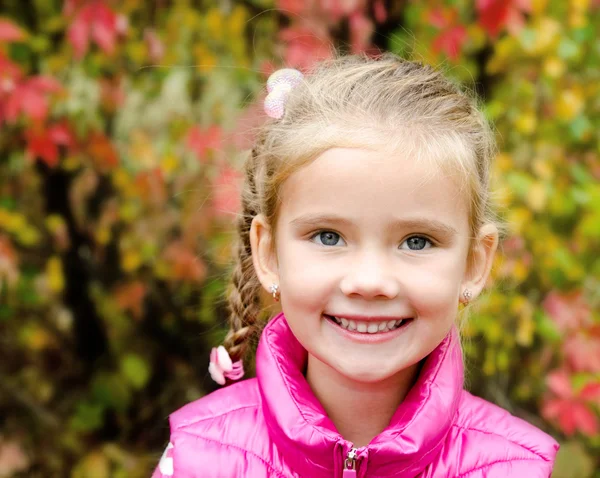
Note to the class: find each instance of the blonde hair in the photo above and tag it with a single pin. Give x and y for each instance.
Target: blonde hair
(386, 103)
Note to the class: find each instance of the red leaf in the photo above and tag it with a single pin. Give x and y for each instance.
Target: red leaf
(185, 264)
(304, 47)
(43, 143)
(155, 46)
(583, 352)
(379, 11)
(10, 32)
(291, 7)
(96, 21)
(570, 311)
(104, 28)
(79, 32)
(451, 41)
(9, 70)
(495, 15)
(560, 410)
(131, 297)
(226, 192)
(201, 140)
(591, 393)
(584, 419)
(45, 84)
(361, 29)
(40, 145)
(559, 382)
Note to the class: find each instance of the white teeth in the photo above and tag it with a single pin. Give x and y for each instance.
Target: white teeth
(368, 327)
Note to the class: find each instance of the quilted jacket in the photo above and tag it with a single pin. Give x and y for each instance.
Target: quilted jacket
(273, 426)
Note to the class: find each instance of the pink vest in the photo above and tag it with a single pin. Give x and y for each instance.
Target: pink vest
(273, 426)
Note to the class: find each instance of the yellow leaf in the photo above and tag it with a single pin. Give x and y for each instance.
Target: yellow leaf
(539, 6)
(214, 24)
(237, 21)
(570, 103)
(578, 20)
(29, 236)
(204, 58)
(93, 465)
(554, 67)
(547, 33)
(543, 168)
(537, 196)
(526, 123)
(169, 163)
(520, 271)
(518, 218)
(131, 260)
(54, 274)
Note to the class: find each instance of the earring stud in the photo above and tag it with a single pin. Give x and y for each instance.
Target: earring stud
(274, 290)
(467, 295)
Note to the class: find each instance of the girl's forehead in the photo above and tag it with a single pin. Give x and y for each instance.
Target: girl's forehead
(371, 180)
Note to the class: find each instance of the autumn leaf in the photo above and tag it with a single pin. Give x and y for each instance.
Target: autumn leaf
(361, 29)
(43, 142)
(102, 151)
(583, 352)
(569, 311)
(304, 46)
(9, 32)
(495, 15)
(30, 98)
(567, 409)
(451, 41)
(94, 21)
(184, 263)
(200, 140)
(130, 297)
(9, 263)
(226, 192)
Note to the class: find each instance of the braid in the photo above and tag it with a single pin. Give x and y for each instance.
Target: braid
(243, 295)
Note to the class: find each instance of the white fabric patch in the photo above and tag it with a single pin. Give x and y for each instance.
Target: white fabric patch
(165, 465)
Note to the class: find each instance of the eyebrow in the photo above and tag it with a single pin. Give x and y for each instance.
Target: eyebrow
(432, 225)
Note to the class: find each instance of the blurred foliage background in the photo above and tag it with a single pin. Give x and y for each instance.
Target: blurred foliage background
(123, 126)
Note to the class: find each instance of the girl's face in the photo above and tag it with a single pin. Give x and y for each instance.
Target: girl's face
(364, 240)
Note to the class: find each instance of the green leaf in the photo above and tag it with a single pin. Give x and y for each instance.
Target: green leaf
(136, 370)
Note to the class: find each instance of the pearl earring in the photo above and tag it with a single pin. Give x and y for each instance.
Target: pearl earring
(274, 290)
(467, 295)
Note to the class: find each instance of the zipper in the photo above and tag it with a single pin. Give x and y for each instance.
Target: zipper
(350, 464)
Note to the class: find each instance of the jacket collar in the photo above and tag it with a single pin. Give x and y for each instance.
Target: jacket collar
(306, 436)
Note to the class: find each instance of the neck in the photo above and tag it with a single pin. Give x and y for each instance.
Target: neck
(344, 400)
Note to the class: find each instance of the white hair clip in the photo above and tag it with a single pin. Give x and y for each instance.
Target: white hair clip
(279, 85)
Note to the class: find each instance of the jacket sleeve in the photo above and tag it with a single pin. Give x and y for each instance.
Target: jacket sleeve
(164, 469)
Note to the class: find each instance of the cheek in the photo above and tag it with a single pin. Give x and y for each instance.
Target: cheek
(434, 288)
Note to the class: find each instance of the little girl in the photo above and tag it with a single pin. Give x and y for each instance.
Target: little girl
(366, 213)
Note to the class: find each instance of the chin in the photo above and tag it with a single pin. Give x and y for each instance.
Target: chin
(365, 374)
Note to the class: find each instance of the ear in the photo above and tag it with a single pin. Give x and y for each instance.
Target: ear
(484, 250)
(263, 252)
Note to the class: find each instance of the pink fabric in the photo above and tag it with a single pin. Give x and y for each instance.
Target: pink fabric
(273, 426)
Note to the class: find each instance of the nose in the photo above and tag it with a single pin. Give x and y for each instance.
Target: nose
(370, 276)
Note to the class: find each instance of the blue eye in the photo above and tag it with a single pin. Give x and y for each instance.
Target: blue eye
(328, 238)
(417, 243)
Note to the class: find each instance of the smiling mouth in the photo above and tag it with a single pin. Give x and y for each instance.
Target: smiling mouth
(370, 327)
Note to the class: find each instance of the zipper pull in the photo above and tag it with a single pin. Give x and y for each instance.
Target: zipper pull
(350, 464)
